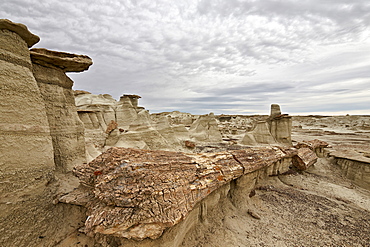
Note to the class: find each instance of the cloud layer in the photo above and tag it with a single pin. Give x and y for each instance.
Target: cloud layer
(222, 56)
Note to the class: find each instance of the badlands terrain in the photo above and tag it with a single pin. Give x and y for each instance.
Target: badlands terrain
(78, 169)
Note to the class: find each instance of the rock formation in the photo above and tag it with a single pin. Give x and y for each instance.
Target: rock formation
(139, 193)
(276, 129)
(154, 196)
(38, 131)
(259, 135)
(55, 86)
(65, 61)
(280, 125)
(177, 118)
(26, 150)
(205, 129)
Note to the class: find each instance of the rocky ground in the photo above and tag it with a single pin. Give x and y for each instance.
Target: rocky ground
(318, 207)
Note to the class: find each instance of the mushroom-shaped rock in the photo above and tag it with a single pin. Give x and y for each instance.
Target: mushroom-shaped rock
(21, 30)
(68, 62)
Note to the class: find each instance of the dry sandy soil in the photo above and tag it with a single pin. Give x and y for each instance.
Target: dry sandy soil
(314, 208)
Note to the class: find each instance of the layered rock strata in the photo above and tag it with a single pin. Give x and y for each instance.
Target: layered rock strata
(26, 150)
(137, 194)
(276, 129)
(38, 142)
(67, 131)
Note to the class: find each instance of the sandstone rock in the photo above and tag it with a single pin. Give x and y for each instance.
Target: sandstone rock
(66, 61)
(259, 135)
(126, 112)
(27, 168)
(21, 30)
(280, 125)
(26, 144)
(281, 129)
(79, 92)
(139, 193)
(205, 129)
(176, 117)
(275, 111)
(66, 128)
(133, 98)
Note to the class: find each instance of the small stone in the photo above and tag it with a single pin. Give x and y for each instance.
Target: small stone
(253, 214)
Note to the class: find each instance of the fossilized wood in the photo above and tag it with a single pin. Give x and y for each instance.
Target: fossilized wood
(305, 158)
(139, 193)
(312, 144)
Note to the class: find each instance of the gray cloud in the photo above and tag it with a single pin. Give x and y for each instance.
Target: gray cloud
(224, 56)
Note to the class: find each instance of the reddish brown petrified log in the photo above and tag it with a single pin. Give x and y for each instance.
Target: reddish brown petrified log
(312, 144)
(139, 193)
(305, 158)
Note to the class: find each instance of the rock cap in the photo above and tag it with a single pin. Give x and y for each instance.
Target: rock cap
(68, 62)
(21, 30)
(131, 96)
(275, 110)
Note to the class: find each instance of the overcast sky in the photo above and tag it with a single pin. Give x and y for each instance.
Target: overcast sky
(221, 56)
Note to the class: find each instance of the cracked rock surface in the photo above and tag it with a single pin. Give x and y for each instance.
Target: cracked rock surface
(139, 193)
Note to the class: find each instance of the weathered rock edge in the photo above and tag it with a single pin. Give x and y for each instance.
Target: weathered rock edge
(21, 30)
(133, 193)
(68, 62)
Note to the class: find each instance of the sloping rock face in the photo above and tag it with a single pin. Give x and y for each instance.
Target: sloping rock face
(55, 86)
(275, 129)
(139, 193)
(259, 135)
(205, 129)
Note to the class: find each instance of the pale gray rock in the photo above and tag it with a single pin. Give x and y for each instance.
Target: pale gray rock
(205, 129)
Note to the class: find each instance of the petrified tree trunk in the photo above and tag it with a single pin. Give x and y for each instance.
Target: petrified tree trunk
(137, 194)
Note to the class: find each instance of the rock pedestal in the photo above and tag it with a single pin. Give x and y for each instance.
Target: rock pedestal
(280, 125)
(55, 86)
(26, 150)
